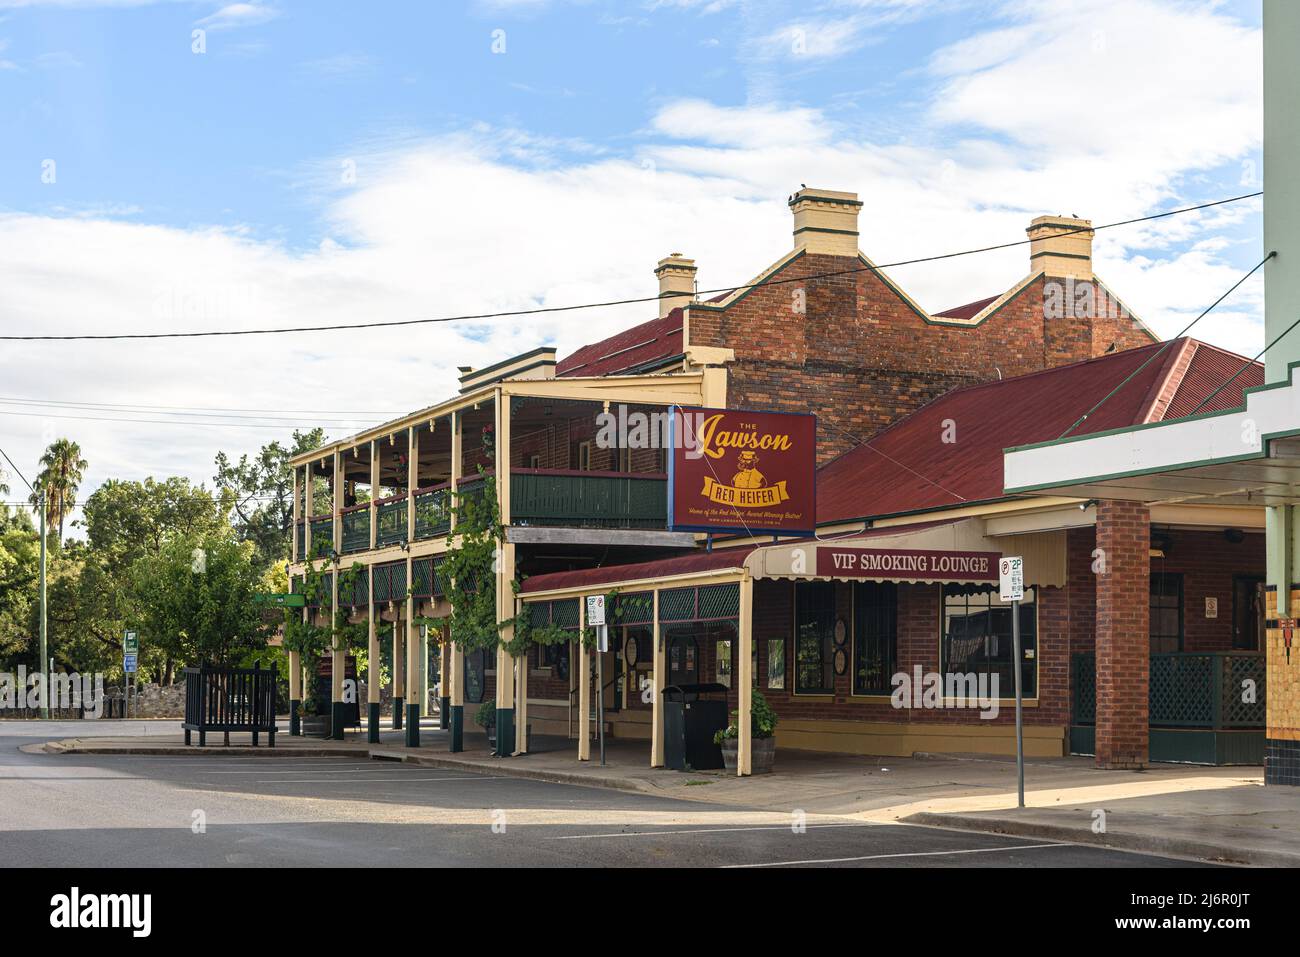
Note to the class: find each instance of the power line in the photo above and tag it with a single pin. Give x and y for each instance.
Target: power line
(347, 413)
(540, 310)
(1244, 367)
(231, 425)
(17, 471)
(195, 417)
(1168, 342)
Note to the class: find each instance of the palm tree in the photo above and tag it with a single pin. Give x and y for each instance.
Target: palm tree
(62, 468)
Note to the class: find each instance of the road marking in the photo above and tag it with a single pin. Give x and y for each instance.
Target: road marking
(359, 770)
(386, 780)
(881, 857)
(710, 830)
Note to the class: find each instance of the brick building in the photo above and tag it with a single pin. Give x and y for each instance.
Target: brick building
(820, 331)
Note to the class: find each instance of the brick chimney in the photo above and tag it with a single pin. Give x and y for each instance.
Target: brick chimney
(676, 282)
(825, 221)
(1061, 246)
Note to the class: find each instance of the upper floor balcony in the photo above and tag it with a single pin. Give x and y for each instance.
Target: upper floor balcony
(574, 476)
(555, 498)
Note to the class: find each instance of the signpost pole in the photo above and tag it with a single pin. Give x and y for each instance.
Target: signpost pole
(1020, 724)
(595, 616)
(600, 694)
(1011, 586)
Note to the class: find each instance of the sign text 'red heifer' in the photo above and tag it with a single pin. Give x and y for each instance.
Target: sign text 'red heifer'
(900, 564)
(732, 470)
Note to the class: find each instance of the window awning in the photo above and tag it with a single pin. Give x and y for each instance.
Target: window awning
(955, 550)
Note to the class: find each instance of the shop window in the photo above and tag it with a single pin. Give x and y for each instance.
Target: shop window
(534, 460)
(875, 636)
(814, 618)
(584, 456)
(977, 638)
(475, 675)
(624, 460)
(1166, 613)
(775, 664)
(723, 651)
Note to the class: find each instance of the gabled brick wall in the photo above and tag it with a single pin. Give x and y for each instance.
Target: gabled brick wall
(861, 357)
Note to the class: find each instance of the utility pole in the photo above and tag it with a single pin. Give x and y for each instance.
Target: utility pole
(45, 649)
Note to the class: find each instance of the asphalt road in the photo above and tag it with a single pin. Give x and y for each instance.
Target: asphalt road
(215, 811)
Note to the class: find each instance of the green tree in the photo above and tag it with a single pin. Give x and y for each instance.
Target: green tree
(19, 570)
(62, 469)
(196, 599)
(261, 489)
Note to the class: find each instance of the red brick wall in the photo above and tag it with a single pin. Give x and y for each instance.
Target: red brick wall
(1123, 646)
(860, 357)
(1208, 563)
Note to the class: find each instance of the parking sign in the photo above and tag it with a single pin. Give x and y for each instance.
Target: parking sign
(128, 664)
(1011, 577)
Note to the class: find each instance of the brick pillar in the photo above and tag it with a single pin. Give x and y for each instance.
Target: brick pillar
(1123, 633)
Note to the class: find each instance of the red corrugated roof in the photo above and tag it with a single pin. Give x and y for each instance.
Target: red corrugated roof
(681, 565)
(656, 339)
(1209, 367)
(968, 311)
(950, 451)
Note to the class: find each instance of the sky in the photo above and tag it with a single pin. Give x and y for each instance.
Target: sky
(171, 165)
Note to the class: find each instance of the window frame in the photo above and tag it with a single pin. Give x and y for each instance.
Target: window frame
(891, 667)
(1004, 694)
(827, 689)
(1182, 611)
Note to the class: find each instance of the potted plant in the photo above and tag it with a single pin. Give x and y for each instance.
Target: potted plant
(762, 724)
(486, 718)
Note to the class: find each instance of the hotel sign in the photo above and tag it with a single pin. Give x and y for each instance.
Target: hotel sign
(732, 470)
(907, 564)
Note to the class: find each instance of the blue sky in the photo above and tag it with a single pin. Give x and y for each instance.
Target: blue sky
(336, 160)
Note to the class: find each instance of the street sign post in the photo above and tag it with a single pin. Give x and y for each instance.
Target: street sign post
(1011, 582)
(281, 599)
(596, 618)
(130, 658)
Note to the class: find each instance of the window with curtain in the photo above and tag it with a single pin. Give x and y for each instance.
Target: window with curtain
(1166, 612)
(814, 616)
(875, 636)
(977, 637)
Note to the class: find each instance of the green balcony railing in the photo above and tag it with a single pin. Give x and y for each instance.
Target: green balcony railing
(390, 522)
(356, 528)
(322, 536)
(588, 499)
(300, 532)
(432, 511)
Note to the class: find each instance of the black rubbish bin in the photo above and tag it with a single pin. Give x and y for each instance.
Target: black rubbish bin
(692, 715)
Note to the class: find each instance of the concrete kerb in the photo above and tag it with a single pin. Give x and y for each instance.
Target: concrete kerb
(77, 746)
(1114, 840)
(504, 767)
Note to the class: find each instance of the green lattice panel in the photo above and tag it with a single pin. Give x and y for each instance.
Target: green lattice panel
(1237, 712)
(637, 609)
(422, 577)
(439, 579)
(1182, 690)
(677, 604)
(1084, 688)
(718, 601)
(564, 612)
(539, 614)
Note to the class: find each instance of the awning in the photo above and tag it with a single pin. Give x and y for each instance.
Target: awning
(945, 552)
(956, 550)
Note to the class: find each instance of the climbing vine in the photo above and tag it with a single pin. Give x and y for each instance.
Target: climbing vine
(313, 641)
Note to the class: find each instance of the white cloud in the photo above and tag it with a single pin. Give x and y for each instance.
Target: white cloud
(235, 15)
